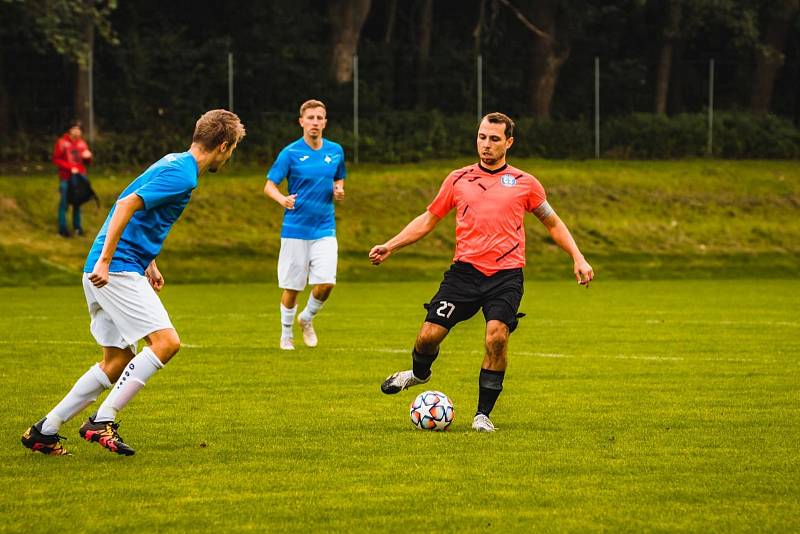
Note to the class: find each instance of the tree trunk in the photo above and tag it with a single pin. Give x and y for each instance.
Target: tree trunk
(548, 57)
(477, 33)
(347, 18)
(770, 53)
(390, 22)
(5, 126)
(82, 96)
(549, 53)
(424, 52)
(669, 36)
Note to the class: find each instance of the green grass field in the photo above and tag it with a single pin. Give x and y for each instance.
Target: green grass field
(631, 406)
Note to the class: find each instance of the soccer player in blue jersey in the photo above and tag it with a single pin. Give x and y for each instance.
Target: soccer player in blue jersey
(314, 169)
(120, 282)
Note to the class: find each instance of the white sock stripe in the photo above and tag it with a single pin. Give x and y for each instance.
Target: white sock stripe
(130, 389)
(138, 371)
(148, 353)
(83, 393)
(100, 376)
(313, 306)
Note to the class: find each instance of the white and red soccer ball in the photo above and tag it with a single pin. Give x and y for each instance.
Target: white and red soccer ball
(431, 410)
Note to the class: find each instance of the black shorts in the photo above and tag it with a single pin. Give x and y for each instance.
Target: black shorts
(465, 290)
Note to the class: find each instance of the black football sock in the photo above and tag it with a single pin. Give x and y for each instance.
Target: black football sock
(490, 384)
(422, 363)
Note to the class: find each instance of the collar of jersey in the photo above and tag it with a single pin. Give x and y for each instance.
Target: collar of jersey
(501, 169)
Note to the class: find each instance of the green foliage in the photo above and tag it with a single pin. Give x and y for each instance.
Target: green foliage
(736, 135)
(62, 24)
(657, 406)
(745, 135)
(401, 137)
(653, 136)
(553, 139)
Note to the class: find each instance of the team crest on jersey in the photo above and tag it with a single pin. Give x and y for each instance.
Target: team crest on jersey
(328, 158)
(508, 180)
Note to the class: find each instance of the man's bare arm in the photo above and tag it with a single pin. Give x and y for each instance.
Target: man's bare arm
(413, 232)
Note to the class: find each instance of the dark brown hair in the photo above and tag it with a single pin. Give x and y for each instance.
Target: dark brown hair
(501, 118)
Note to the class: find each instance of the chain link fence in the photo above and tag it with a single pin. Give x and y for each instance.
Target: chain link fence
(390, 95)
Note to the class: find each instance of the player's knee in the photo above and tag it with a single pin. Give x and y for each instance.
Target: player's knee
(113, 369)
(173, 344)
(496, 338)
(429, 339)
(322, 291)
(166, 345)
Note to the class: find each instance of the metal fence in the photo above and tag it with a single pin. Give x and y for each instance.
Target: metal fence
(593, 90)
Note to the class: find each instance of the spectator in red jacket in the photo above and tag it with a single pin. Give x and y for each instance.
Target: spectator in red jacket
(71, 155)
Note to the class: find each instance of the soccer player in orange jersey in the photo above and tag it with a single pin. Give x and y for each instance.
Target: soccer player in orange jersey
(490, 199)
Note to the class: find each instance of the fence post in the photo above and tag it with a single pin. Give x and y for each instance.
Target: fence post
(355, 108)
(479, 67)
(710, 149)
(597, 107)
(230, 81)
(91, 97)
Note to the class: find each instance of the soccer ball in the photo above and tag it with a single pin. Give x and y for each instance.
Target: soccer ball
(431, 410)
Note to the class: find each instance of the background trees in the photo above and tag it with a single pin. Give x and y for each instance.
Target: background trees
(157, 63)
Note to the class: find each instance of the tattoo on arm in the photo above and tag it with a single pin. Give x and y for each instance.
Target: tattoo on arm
(543, 211)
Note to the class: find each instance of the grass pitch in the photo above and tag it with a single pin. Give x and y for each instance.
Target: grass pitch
(670, 405)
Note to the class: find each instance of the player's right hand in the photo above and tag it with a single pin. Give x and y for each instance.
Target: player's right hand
(378, 254)
(99, 275)
(288, 202)
(583, 272)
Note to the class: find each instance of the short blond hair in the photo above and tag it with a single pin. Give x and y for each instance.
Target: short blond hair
(216, 127)
(309, 104)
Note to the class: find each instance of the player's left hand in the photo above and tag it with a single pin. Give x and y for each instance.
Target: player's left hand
(378, 254)
(154, 277)
(99, 275)
(338, 192)
(583, 272)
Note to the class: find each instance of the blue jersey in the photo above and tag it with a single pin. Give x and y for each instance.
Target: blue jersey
(165, 188)
(310, 174)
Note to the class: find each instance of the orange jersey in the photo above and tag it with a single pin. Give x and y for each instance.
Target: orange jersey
(490, 208)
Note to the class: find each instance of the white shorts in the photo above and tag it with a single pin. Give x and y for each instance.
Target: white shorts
(125, 310)
(304, 261)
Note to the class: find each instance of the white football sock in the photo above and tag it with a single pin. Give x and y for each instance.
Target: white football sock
(287, 319)
(136, 374)
(312, 308)
(82, 394)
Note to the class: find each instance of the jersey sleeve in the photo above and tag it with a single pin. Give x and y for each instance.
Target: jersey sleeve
(445, 200)
(280, 168)
(170, 184)
(60, 156)
(341, 171)
(536, 196)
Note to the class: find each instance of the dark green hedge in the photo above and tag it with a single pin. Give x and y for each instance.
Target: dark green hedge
(413, 136)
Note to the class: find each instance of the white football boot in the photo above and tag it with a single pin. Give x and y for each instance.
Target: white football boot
(482, 423)
(309, 336)
(401, 380)
(287, 343)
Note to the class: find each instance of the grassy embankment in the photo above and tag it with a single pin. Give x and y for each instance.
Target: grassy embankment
(633, 220)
